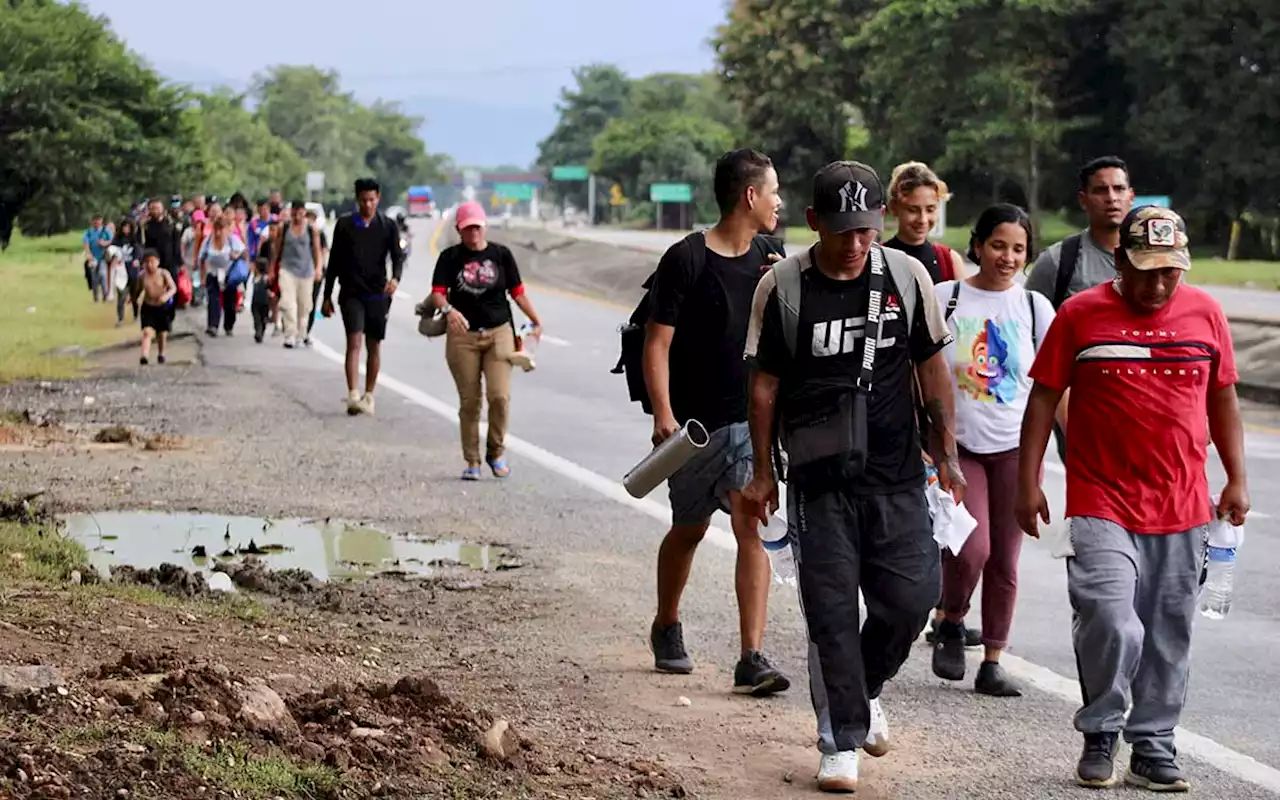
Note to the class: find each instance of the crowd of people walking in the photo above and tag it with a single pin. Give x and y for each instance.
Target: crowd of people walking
(858, 371)
(855, 371)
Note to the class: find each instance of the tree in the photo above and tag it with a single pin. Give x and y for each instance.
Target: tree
(1208, 91)
(84, 125)
(793, 70)
(241, 152)
(307, 108)
(661, 147)
(601, 94)
(396, 155)
(1002, 117)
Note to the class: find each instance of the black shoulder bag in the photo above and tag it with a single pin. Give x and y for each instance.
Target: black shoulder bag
(828, 448)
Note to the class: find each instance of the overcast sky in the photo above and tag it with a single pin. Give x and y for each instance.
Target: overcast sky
(484, 73)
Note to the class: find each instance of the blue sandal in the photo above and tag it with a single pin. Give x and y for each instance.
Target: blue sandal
(471, 474)
(500, 468)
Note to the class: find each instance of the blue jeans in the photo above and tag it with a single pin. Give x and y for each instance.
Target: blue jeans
(220, 299)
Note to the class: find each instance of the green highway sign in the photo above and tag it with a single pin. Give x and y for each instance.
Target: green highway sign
(514, 191)
(670, 193)
(569, 172)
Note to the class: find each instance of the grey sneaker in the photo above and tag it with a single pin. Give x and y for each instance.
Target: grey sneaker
(1157, 775)
(755, 676)
(1096, 768)
(668, 649)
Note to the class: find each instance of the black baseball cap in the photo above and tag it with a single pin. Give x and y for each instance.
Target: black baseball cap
(848, 195)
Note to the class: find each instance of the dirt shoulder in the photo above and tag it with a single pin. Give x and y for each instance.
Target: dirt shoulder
(387, 687)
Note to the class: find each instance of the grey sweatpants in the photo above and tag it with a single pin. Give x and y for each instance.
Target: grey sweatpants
(1134, 598)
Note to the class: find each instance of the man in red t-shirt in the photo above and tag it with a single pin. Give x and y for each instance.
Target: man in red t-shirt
(1147, 359)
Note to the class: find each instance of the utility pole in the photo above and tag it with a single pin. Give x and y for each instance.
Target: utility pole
(591, 199)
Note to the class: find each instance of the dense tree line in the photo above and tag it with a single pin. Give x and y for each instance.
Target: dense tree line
(86, 125)
(1004, 97)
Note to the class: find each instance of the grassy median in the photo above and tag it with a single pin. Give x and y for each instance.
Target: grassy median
(47, 306)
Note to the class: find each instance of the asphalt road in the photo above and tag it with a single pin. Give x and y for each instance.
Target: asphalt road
(572, 418)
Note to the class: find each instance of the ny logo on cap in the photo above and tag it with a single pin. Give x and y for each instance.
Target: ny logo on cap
(1162, 233)
(853, 197)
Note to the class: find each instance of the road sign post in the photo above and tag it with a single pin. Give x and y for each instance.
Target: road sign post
(569, 172)
(315, 183)
(670, 193)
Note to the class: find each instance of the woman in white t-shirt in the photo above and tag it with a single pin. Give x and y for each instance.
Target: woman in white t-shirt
(998, 326)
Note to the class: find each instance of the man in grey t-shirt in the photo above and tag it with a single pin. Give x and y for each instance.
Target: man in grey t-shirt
(1106, 197)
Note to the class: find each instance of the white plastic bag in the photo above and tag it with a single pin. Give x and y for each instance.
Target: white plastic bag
(1057, 536)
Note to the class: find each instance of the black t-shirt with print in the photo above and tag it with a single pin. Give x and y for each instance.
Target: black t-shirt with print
(824, 367)
(708, 377)
(477, 283)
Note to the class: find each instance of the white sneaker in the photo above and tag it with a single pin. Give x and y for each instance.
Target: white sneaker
(353, 404)
(838, 772)
(288, 342)
(366, 404)
(877, 743)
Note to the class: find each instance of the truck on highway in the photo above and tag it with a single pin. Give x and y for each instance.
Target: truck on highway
(421, 202)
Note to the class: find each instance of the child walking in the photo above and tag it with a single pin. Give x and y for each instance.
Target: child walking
(158, 290)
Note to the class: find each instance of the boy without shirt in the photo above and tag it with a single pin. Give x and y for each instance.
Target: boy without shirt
(158, 289)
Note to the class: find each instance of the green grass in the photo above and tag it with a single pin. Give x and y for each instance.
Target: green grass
(48, 275)
(48, 557)
(229, 766)
(1220, 272)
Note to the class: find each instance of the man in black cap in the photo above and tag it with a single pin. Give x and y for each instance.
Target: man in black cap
(844, 413)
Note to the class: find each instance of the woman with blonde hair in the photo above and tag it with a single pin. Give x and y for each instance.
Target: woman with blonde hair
(915, 194)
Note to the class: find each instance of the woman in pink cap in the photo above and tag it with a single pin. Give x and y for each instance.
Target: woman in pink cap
(471, 283)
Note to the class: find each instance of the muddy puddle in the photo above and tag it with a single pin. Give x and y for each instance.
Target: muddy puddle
(330, 550)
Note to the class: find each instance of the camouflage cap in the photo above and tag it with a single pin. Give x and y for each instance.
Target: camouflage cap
(1155, 238)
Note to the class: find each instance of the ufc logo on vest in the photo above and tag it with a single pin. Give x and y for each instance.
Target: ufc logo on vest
(837, 337)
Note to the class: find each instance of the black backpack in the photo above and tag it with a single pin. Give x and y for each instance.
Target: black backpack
(1067, 259)
(631, 361)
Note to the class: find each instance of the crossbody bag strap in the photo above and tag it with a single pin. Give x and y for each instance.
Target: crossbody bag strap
(875, 319)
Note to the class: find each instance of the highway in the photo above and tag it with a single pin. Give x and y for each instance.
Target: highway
(571, 420)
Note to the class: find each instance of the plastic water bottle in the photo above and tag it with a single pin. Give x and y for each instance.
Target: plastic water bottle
(527, 343)
(778, 545)
(1215, 595)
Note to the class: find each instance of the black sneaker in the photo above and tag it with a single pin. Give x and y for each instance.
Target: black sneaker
(994, 681)
(143, 361)
(948, 652)
(1156, 774)
(755, 676)
(160, 359)
(668, 649)
(972, 636)
(1096, 768)
(212, 333)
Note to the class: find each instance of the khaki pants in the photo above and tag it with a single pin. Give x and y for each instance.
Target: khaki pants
(295, 302)
(471, 355)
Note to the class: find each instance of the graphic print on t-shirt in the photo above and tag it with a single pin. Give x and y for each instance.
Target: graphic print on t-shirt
(994, 367)
(478, 276)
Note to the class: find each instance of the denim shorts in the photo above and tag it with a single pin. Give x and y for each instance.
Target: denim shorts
(702, 486)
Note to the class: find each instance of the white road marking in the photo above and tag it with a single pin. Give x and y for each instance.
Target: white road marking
(581, 475)
(556, 340)
(1200, 747)
(403, 295)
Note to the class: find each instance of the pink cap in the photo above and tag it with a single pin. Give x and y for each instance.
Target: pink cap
(197, 216)
(469, 214)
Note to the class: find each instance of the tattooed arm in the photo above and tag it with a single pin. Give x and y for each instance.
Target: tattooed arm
(940, 407)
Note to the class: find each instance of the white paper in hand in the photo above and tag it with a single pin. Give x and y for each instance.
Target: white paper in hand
(1057, 535)
(952, 523)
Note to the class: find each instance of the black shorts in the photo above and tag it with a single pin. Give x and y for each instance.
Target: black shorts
(367, 315)
(157, 318)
